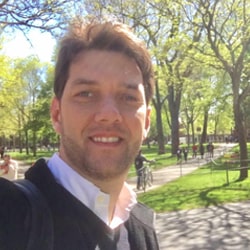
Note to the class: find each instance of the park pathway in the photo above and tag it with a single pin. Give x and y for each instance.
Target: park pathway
(225, 227)
(170, 173)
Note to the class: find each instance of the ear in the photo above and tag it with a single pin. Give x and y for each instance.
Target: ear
(147, 123)
(55, 115)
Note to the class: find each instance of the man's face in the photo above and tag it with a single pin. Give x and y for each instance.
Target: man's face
(6, 159)
(102, 116)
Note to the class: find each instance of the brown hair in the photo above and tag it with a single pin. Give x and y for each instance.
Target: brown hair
(108, 35)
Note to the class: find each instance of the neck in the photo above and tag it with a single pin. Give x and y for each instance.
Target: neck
(113, 188)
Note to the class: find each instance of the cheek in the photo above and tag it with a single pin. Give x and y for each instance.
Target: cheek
(147, 122)
(141, 125)
(74, 120)
(144, 118)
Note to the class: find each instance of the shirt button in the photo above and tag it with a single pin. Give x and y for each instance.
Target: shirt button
(100, 199)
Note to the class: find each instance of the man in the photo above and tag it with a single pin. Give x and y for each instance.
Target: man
(140, 158)
(103, 85)
(9, 168)
(194, 149)
(179, 154)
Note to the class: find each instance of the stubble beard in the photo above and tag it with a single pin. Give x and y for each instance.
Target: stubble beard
(107, 168)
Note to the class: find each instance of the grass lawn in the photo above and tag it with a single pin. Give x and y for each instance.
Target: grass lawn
(29, 159)
(201, 188)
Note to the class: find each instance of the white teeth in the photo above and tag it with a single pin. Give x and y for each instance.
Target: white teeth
(106, 139)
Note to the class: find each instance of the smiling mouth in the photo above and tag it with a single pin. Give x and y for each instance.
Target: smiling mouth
(106, 139)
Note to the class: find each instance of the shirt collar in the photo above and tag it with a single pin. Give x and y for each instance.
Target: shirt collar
(90, 195)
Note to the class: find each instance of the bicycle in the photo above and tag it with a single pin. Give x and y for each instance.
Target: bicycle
(146, 177)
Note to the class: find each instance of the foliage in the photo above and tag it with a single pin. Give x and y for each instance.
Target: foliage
(226, 25)
(26, 99)
(192, 44)
(49, 15)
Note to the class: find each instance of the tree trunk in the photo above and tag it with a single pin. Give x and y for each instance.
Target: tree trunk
(174, 100)
(193, 133)
(241, 132)
(34, 142)
(188, 134)
(175, 134)
(204, 129)
(159, 126)
(26, 141)
(160, 137)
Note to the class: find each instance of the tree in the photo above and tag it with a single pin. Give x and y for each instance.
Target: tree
(45, 15)
(20, 92)
(32, 73)
(7, 124)
(46, 132)
(203, 98)
(174, 49)
(226, 24)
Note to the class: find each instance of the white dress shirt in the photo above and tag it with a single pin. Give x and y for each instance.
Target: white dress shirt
(90, 195)
(12, 171)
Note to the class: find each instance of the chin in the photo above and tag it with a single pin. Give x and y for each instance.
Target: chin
(108, 175)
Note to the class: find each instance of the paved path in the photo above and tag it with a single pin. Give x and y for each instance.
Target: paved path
(214, 228)
(171, 173)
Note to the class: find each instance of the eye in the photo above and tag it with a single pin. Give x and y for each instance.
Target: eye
(85, 94)
(130, 98)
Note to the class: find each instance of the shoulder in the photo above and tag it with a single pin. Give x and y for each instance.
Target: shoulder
(143, 214)
(14, 215)
(11, 198)
(141, 229)
(8, 189)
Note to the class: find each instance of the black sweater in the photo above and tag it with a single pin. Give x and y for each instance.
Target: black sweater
(74, 225)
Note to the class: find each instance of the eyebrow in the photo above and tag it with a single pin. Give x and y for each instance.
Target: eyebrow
(125, 85)
(84, 81)
(132, 86)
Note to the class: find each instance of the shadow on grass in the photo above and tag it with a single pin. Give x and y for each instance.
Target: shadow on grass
(208, 201)
(177, 198)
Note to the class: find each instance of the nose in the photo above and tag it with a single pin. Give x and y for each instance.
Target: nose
(108, 112)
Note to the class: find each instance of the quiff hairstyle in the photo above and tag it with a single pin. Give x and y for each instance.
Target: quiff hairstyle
(108, 36)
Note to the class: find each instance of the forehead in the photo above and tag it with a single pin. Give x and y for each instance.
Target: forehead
(96, 63)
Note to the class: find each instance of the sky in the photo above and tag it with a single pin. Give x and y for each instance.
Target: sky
(17, 45)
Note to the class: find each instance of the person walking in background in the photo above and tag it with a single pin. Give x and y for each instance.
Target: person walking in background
(194, 149)
(103, 86)
(9, 168)
(179, 154)
(202, 150)
(210, 150)
(185, 153)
